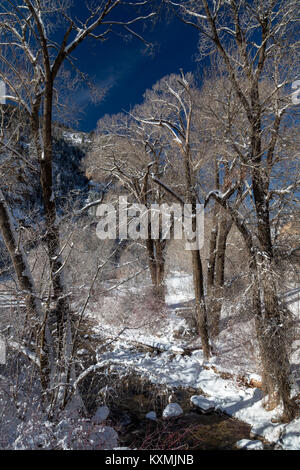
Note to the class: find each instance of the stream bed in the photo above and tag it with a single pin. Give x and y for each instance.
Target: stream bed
(190, 431)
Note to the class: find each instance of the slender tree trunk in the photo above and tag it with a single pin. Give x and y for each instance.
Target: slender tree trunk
(151, 260)
(211, 268)
(224, 227)
(155, 250)
(212, 254)
(213, 238)
(25, 282)
(198, 279)
(160, 268)
(201, 314)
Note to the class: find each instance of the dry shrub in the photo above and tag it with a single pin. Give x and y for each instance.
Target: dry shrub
(127, 390)
(236, 345)
(165, 437)
(132, 310)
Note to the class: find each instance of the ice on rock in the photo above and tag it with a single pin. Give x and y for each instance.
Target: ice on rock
(172, 410)
(100, 415)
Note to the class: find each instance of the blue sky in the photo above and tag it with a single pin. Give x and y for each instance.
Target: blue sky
(126, 71)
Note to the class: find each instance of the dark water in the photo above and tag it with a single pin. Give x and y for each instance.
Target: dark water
(193, 430)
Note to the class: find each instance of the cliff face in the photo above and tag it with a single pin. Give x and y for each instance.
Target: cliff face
(19, 170)
(70, 183)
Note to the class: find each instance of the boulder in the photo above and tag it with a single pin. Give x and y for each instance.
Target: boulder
(172, 411)
(100, 415)
(151, 415)
(203, 403)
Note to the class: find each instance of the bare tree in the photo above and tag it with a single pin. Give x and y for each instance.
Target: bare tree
(257, 40)
(31, 61)
(172, 108)
(219, 113)
(130, 153)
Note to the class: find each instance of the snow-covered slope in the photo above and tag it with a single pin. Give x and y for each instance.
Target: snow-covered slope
(176, 369)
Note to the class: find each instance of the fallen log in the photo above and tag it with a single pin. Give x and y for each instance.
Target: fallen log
(159, 348)
(153, 346)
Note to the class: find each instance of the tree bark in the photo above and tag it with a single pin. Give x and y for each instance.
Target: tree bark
(224, 227)
(272, 325)
(155, 250)
(201, 314)
(198, 279)
(212, 254)
(160, 268)
(271, 322)
(52, 230)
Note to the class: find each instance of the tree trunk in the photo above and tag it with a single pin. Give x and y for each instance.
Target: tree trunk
(52, 230)
(160, 268)
(34, 312)
(212, 255)
(155, 250)
(151, 260)
(272, 325)
(224, 227)
(213, 239)
(201, 315)
(271, 322)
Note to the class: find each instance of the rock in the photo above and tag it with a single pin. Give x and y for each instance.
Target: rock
(100, 415)
(271, 433)
(249, 445)
(103, 438)
(278, 447)
(172, 411)
(202, 403)
(82, 352)
(151, 415)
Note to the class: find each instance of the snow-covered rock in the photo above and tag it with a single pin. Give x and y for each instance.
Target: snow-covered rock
(172, 411)
(82, 352)
(151, 415)
(202, 402)
(249, 445)
(100, 415)
(290, 436)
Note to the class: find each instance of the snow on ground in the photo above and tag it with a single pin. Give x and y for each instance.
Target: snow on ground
(245, 404)
(249, 445)
(179, 288)
(174, 369)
